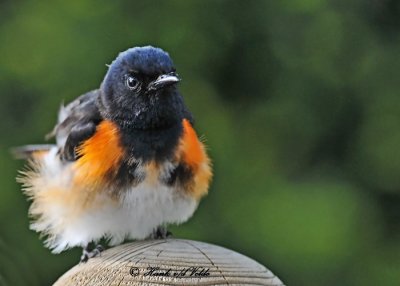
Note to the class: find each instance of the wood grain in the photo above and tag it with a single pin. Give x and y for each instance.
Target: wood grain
(169, 262)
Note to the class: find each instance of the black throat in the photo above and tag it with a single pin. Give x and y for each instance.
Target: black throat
(151, 144)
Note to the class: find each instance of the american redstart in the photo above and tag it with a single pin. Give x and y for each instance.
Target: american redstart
(126, 162)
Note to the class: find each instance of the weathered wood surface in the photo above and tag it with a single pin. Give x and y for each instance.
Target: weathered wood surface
(169, 262)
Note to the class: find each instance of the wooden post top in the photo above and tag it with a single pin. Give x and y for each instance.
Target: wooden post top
(168, 262)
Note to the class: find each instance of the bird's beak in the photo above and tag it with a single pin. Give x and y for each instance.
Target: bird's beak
(163, 81)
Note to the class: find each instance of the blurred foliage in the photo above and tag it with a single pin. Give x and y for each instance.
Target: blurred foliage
(299, 102)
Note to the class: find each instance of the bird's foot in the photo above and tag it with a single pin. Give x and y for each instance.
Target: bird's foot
(86, 253)
(161, 232)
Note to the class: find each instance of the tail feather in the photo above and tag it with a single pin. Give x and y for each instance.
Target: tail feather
(28, 151)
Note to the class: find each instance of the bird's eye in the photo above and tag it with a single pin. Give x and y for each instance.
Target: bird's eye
(131, 82)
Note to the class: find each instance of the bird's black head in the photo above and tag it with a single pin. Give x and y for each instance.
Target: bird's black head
(139, 90)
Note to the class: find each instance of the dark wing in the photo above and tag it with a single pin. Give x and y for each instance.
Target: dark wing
(76, 122)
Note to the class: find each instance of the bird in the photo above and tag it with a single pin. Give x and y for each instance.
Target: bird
(126, 162)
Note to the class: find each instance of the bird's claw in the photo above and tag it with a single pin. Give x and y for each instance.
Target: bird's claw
(161, 232)
(86, 254)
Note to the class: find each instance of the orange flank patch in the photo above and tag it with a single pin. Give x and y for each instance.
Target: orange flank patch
(194, 155)
(100, 156)
(192, 149)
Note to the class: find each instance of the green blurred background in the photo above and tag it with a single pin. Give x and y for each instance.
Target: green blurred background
(299, 101)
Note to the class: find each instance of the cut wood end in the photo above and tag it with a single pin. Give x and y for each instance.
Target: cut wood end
(169, 262)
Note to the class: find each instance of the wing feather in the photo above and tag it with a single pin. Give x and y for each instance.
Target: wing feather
(82, 109)
(76, 122)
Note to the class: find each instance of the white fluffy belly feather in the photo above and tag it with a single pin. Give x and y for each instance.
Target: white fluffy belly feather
(71, 217)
